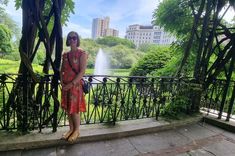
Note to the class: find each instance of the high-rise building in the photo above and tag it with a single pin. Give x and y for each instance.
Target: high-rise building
(105, 25)
(139, 34)
(96, 28)
(100, 28)
(111, 32)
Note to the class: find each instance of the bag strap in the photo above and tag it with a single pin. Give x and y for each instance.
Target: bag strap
(74, 70)
(71, 64)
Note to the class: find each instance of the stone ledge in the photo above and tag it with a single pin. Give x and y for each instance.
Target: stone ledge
(229, 126)
(92, 133)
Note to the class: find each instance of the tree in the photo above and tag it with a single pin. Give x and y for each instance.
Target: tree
(42, 23)
(4, 2)
(156, 58)
(5, 39)
(92, 48)
(14, 29)
(174, 16)
(121, 56)
(210, 34)
(6, 20)
(113, 41)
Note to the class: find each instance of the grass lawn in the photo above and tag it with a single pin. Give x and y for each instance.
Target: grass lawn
(113, 72)
(11, 67)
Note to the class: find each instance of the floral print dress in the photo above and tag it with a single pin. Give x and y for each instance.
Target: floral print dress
(73, 100)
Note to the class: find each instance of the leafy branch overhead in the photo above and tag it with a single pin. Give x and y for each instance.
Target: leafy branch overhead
(67, 10)
(202, 31)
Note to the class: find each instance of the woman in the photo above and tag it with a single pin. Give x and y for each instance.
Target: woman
(73, 100)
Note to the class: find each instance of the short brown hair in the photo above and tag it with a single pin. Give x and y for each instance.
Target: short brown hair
(67, 39)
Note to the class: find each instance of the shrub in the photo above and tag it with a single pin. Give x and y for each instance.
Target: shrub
(156, 58)
(113, 41)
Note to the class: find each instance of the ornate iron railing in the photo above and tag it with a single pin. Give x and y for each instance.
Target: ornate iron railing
(110, 99)
(212, 100)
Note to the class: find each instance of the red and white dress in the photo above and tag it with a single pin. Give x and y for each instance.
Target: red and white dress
(73, 100)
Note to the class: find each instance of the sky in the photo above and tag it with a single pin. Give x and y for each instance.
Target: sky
(122, 13)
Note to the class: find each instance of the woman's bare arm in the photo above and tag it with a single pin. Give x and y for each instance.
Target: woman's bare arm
(61, 78)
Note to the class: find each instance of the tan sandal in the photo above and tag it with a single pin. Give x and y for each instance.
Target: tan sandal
(66, 135)
(74, 136)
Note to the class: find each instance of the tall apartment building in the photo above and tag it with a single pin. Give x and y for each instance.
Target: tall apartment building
(100, 28)
(139, 34)
(111, 32)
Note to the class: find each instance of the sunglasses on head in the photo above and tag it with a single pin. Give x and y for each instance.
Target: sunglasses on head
(72, 38)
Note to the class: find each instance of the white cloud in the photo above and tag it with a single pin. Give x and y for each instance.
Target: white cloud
(82, 31)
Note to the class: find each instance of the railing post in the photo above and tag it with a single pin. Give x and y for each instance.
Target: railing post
(231, 104)
(3, 83)
(39, 101)
(228, 80)
(196, 95)
(161, 98)
(26, 85)
(54, 85)
(89, 98)
(223, 99)
(127, 114)
(213, 87)
(115, 105)
(103, 98)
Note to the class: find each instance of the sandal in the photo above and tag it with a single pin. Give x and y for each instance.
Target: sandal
(74, 136)
(66, 135)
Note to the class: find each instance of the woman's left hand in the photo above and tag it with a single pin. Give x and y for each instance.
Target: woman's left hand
(68, 86)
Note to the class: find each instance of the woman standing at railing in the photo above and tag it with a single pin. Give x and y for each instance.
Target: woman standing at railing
(73, 101)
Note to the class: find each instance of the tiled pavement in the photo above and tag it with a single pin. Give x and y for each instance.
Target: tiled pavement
(195, 139)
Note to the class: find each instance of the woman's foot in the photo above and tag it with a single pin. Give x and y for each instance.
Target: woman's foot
(66, 135)
(74, 136)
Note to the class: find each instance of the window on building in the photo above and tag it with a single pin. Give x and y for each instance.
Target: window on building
(157, 37)
(156, 41)
(157, 33)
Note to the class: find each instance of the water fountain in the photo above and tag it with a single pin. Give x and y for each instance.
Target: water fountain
(101, 63)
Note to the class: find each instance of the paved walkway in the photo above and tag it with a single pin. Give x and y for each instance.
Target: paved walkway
(195, 139)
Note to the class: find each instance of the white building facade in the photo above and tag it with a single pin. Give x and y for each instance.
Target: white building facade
(100, 28)
(139, 34)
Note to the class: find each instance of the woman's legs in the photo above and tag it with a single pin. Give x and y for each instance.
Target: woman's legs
(76, 124)
(71, 125)
(71, 128)
(76, 121)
